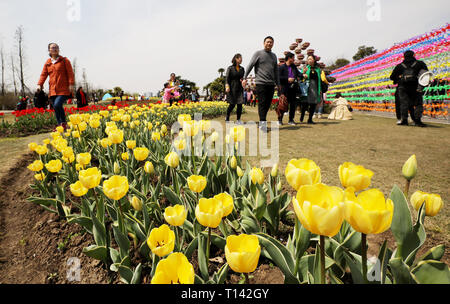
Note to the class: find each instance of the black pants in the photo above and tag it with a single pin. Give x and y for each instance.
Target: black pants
(410, 101)
(311, 107)
(265, 96)
(398, 111)
(230, 109)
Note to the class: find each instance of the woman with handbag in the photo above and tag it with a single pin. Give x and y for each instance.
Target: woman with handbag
(313, 74)
(233, 86)
(289, 78)
(61, 82)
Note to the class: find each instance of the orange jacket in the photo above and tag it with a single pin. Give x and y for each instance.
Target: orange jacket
(61, 76)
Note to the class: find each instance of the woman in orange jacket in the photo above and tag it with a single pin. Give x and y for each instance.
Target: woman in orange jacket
(61, 81)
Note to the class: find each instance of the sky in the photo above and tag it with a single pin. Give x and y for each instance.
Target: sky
(136, 44)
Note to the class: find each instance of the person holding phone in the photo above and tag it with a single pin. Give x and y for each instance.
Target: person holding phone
(61, 81)
(233, 87)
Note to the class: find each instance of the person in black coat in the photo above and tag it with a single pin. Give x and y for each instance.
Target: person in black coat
(289, 79)
(82, 100)
(40, 99)
(406, 75)
(233, 86)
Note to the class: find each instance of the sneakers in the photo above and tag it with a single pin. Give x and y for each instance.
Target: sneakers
(280, 123)
(263, 126)
(310, 122)
(403, 123)
(239, 122)
(399, 122)
(420, 124)
(319, 116)
(291, 123)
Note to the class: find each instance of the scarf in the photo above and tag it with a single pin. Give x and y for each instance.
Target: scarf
(317, 69)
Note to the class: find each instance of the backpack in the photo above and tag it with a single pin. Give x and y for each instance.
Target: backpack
(409, 75)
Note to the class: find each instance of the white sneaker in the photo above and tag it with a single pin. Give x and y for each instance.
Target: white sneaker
(239, 122)
(285, 113)
(263, 126)
(291, 123)
(319, 116)
(279, 123)
(399, 122)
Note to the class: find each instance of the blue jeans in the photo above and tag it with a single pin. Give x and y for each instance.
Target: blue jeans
(58, 106)
(319, 108)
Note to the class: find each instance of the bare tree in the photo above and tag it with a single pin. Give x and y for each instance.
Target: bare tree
(74, 68)
(2, 58)
(85, 83)
(13, 68)
(20, 48)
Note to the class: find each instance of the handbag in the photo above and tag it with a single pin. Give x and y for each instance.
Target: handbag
(282, 105)
(304, 85)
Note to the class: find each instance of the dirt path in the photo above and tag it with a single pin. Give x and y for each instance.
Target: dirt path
(29, 238)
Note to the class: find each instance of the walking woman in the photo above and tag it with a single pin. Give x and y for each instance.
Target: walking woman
(313, 74)
(81, 98)
(61, 81)
(234, 88)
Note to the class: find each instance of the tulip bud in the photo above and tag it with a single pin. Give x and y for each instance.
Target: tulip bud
(279, 186)
(116, 168)
(239, 171)
(136, 203)
(233, 162)
(148, 167)
(274, 172)
(409, 169)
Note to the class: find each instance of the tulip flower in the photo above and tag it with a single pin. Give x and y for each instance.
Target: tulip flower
(239, 171)
(179, 144)
(136, 203)
(90, 178)
(39, 176)
(125, 156)
(156, 136)
(242, 252)
(175, 215)
(116, 168)
(32, 146)
(321, 210)
(196, 183)
(115, 187)
(409, 169)
(274, 172)
(301, 172)
(131, 144)
(46, 141)
(233, 162)
(41, 150)
(78, 189)
(172, 159)
(105, 142)
(369, 212)
(237, 133)
(148, 167)
(257, 176)
(355, 176)
(191, 128)
(116, 136)
(76, 134)
(54, 166)
(433, 202)
(36, 166)
(175, 269)
(209, 212)
(84, 159)
(94, 123)
(161, 240)
(227, 203)
(140, 153)
(59, 129)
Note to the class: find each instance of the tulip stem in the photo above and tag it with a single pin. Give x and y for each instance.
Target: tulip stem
(208, 245)
(247, 280)
(99, 215)
(408, 182)
(364, 256)
(322, 259)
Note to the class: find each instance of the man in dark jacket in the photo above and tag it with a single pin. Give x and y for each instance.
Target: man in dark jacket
(406, 74)
(289, 78)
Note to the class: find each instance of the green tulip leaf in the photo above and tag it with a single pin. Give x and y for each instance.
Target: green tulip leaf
(171, 196)
(123, 242)
(201, 252)
(114, 254)
(96, 252)
(401, 272)
(432, 272)
(126, 274)
(415, 238)
(401, 225)
(435, 253)
(354, 262)
(85, 222)
(136, 279)
(99, 231)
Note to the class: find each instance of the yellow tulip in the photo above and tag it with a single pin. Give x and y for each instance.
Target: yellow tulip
(355, 176)
(39, 176)
(301, 172)
(136, 203)
(105, 142)
(214, 136)
(94, 123)
(239, 171)
(242, 252)
(409, 169)
(78, 189)
(172, 160)
(41, 150)
(433, 202)
(32, 146)
(125, 156)
(116, 187)
(75, 119)
(233, 162)
(179, 144)
(59, 129)
(116, 136)
(75, 134)
(84, 158)
(227, 203)
(183, 117)
(196, 183)
(148, 167)
(149, 126)
(369, 212)
(237, 133)
(131, 144)
(274, 172)
(36, 166)
(140, 153)
(82, 126)
(320, 208)
(191, 128)
(175, 215)
(257, 176)
(46, 141)
(156, 136)
(116, 168)
(209, 212)
(161, 240)
(54, 166)
(90, 178)
(175, 269)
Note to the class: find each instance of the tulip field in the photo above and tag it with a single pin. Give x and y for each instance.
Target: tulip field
(123, 175)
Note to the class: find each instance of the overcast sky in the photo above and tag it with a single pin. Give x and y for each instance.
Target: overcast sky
(136, 44)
